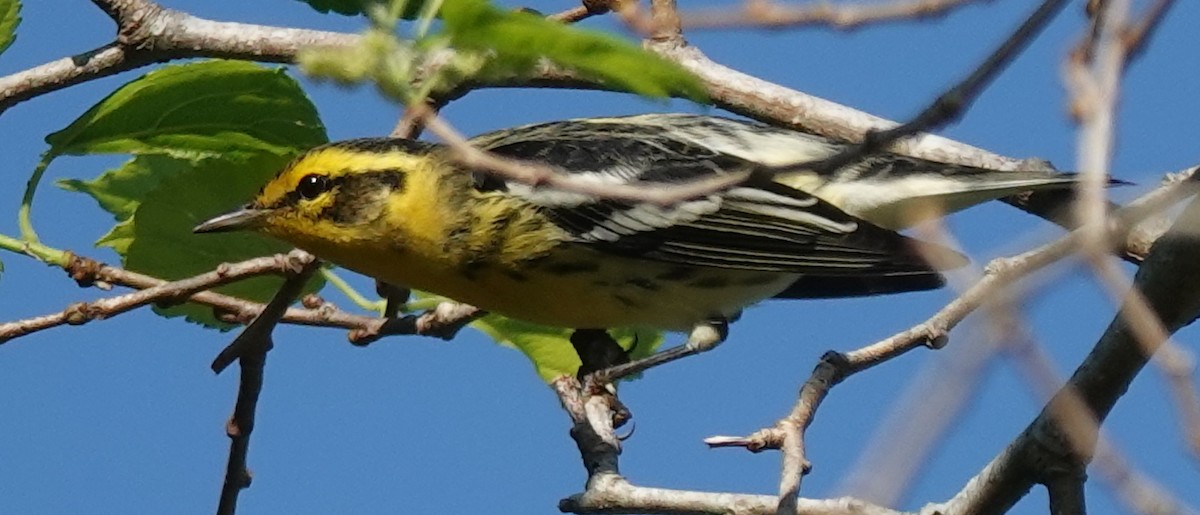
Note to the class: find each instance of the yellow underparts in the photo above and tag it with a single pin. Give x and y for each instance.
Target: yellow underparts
(572, 286)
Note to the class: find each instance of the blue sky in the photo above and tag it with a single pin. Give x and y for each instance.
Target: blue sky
(124, 416)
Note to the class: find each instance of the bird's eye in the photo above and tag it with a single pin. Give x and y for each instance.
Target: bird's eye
(312, 185)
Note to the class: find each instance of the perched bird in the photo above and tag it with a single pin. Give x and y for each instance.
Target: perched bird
(405, 212)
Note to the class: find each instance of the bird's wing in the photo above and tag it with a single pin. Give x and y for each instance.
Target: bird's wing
(759, 225)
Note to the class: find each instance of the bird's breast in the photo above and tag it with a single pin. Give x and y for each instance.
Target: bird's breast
(573, 287)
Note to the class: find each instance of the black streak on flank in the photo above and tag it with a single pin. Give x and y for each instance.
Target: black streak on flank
(571, 267)
(356, 196)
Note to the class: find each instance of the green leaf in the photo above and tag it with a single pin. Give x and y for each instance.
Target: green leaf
(120, 190)
(550, 349)
(164, 246)
(210, 108)
(519, 39)
(119, 237)
(412, 8)
(10, 17)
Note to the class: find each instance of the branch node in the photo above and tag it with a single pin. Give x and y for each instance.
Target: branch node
(84, 271)
(78, 314)
(312, 301)
(998, 266)
(136, 24)
(936, 337)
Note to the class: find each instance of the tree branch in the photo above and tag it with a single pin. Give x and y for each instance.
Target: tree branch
(1000, 275)
(1170, 282)
(250, 349)
(840, 16)
(148, 33)
(442, 322)
(951, 104)
(166, 292)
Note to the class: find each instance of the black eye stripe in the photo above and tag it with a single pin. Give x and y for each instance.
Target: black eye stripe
(313, 185)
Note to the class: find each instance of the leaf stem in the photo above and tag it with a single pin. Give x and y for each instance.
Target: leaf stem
(36, 250)
(24, 221)
(357, 298)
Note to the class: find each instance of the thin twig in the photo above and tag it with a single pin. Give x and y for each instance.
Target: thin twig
(1080, 429)
(1136, 36)
(1179, 367)
(1172, 360)
(1169, 280)
(665, 25)
(951, 104)
(1098, 86)
(614, 494)
(150, 34)
(250, 349)
(572, 15)
(442, 322)
(1066, 494)
(166, 292)
(933, 332)
(840, 16)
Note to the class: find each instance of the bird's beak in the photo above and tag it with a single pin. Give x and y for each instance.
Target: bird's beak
(245, 218)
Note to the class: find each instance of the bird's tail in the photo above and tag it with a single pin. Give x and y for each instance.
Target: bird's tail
(899, 193)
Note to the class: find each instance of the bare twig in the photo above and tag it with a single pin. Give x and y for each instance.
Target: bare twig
(1000, 274)
(1172, 360)
(150, 34)
(614, 494)
(665, 23)
(1098, 81)
(951, 104)
(1136, 36)
(841, 16)
(250, 349)
(1138, 492)
(1081, 431)
(1097, 87)
(918, 422)
(572, 15)
(166, 292)
(1179, 367)
(442, 322)
(607, 491)
(1066, 494)
(577, 14)
(1170, 281)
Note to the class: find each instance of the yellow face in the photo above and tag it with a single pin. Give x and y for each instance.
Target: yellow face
(334, 194)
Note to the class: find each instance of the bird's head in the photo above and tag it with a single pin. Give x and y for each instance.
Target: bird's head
(331, 194)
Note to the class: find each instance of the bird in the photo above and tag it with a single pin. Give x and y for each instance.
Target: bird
(407, 212)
